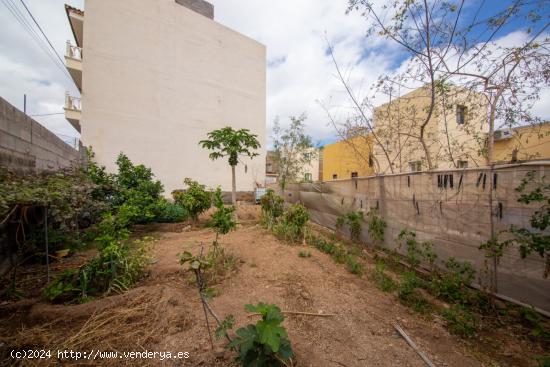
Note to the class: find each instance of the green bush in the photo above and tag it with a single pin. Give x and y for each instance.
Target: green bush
(409, 295)
(171, 213)
(266, 343)
(460, 321)
(115, 269)
(292, 227)
(272, 208)
(452, 284)
(222, 220)
(381, 279)
(376, 226)
(354, 222)
(195, 199)
(354, 266)
(416, 252)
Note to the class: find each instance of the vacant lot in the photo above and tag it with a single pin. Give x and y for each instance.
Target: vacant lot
(163, 312)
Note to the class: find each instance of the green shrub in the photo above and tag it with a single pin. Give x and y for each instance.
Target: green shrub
(195, 199)
(416, 252)
(354, 222)
(409, 295)
(272, 208)
(381, 279)
(117, 266)
(452, 284)
(222, 220)
(376, 226)
(460, 321)
(304, 254)
(535, 322)
(266, 343)
(292, 227)
(171, 213)
(354, 266)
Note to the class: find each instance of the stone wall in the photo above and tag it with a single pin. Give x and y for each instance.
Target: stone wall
(28, 147)
(448, 208)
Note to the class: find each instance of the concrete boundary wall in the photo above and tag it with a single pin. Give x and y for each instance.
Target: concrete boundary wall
(28, 147)
(448, 208)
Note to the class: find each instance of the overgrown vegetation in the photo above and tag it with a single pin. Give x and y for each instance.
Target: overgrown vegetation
(338, 253)
(265, 343)
(353, 221)
(272, 208)
(383, 281)
(292, 226)
(376, 226)
(130, 196)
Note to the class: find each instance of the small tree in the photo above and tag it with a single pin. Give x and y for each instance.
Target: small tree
(231, 143)
(195, 199)
(293, 149)
(222, 219)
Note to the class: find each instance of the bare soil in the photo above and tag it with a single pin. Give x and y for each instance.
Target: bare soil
(163, 312)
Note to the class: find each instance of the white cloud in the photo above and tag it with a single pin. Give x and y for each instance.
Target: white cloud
(299, 74)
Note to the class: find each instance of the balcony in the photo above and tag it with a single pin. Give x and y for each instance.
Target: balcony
(73, 110)
(73, 60)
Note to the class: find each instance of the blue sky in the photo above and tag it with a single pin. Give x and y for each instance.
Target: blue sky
(301, 76)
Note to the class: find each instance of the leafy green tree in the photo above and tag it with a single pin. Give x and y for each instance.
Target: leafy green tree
(231, 143)
(293, 149)
(195, 199)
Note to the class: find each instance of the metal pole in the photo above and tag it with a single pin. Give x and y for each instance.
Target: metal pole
(25, 103)
(46, 239)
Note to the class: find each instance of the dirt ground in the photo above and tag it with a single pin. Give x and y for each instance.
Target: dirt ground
(163, 312)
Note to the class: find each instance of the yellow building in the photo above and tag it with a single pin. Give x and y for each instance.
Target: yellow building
(454, 135)
(348, 158)
(522, 144)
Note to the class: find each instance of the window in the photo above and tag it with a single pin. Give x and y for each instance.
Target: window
(460, 114)
(308, 177)
(462, 164)
(354, 175)
(335, 176)
(269, 167)
(415, 166)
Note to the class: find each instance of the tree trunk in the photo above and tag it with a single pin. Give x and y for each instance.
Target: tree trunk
(233, 187)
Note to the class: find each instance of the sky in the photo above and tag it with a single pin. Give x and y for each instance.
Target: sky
(301, 77)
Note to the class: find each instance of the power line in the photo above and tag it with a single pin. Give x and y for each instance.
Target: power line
(21, 19)
(41, 31)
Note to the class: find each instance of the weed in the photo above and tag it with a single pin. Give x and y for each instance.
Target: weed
(535, 322)
(304, 254)
(292, 227)
(409, 295)
(376, 226)
(381, 279)
(460, 321)
(272, 208)
(353, 266)
(353, 220)
(452, 284)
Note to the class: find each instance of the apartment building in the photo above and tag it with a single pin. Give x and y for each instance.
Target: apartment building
(155, 77)
(348, 158)
(454, 136)
(524, 143)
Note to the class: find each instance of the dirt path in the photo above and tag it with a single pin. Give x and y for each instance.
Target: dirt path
(360, 335)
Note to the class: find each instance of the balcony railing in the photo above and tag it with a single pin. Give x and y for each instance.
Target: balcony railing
(72, 103)
(74, 52)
